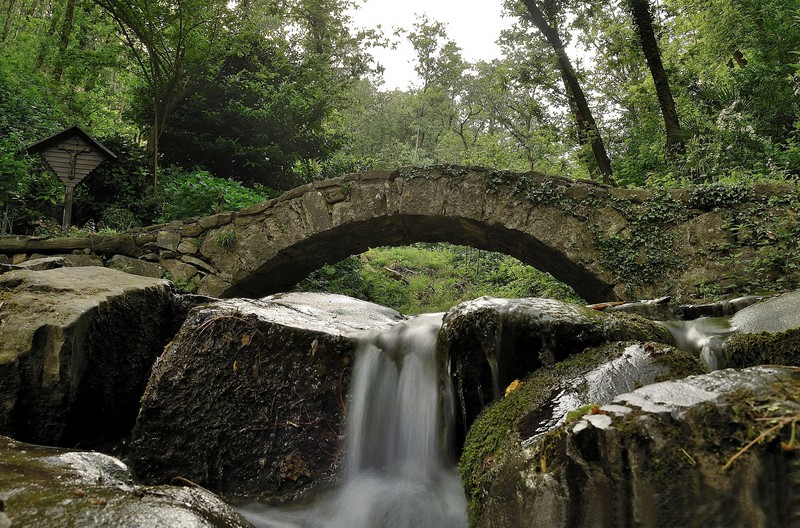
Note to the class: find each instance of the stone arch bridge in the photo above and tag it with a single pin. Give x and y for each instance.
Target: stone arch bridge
(607, 243)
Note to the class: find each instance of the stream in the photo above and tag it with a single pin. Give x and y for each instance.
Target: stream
(398, 469)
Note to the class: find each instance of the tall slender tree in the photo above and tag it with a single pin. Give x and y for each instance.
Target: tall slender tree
(588, 133)
(642, 16)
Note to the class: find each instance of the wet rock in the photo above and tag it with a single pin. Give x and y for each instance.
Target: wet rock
(492, 339)
(45, 486)
(768, 333)
(775, 314)
(76, 346)
(249, 398)
(550, 396)
(722, 308)
(666, 454)
(663, 310)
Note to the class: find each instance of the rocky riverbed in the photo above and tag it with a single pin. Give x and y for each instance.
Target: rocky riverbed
(565, 415)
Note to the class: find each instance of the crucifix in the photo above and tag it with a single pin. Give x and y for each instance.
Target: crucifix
(72, 154)
(69, 185)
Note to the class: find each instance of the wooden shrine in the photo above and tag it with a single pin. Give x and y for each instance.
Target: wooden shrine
(72, 154)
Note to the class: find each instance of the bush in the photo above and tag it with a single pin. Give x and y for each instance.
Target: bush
(198, 193)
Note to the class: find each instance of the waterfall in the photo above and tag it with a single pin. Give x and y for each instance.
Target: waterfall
(397, 471)
(704, 336)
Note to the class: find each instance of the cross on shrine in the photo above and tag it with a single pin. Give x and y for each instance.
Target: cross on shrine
(72, 154)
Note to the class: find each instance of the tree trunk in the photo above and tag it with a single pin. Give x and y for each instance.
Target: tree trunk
(643, 24)
(51, 30)
(152, 142)
(588, 133)
(63, 42)
(9, 19)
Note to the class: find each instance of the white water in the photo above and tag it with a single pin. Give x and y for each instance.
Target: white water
(397, 473)
(704, 336)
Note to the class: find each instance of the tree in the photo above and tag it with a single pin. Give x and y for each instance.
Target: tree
(440, 69)
(174, 43)
(512, 95)
(258, 117)
(588, 133)
(643, 23)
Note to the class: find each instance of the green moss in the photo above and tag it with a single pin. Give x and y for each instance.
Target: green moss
(620, 326)
(494, 434)
(764, 348)
(679, 363)
(691, 450)
(580, 411)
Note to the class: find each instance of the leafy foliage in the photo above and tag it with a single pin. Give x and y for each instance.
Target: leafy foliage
(198, 193)
(433, 277)
(257, 119)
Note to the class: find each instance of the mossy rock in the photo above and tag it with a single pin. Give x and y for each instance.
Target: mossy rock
(763, 348)
(544, 399)
(489, 340)
(677, 453)
(45, 486)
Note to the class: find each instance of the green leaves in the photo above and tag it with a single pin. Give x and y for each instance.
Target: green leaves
(426, 278)
(198, 193)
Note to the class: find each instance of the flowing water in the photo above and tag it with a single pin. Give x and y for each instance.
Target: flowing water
(398, 473)
(704, 336)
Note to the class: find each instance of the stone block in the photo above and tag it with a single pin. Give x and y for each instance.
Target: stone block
(168, 240)
(81, 260)
(136, 266)
(191, 230)
(179, 270)
(187, 247)
(197, 263)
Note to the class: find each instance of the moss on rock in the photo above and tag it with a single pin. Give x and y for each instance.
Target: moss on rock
(496, 437)
(764, 348)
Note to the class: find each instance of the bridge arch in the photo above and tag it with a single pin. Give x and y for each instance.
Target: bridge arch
(270, 247)
(607, 243)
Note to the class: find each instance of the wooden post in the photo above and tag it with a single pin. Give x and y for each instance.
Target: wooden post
(67, 206)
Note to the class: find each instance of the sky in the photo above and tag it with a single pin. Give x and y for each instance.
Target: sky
(474, 25)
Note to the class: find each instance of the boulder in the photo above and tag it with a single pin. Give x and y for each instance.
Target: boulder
(46, 486)
(775, 314)
(768, 333)
(250, 397)
(76, 346)
(716, 449)
(550, 396)
(42, 263)
(487, 343)
(136, 266)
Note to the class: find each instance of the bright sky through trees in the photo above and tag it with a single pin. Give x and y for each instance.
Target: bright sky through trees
(473, 25)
